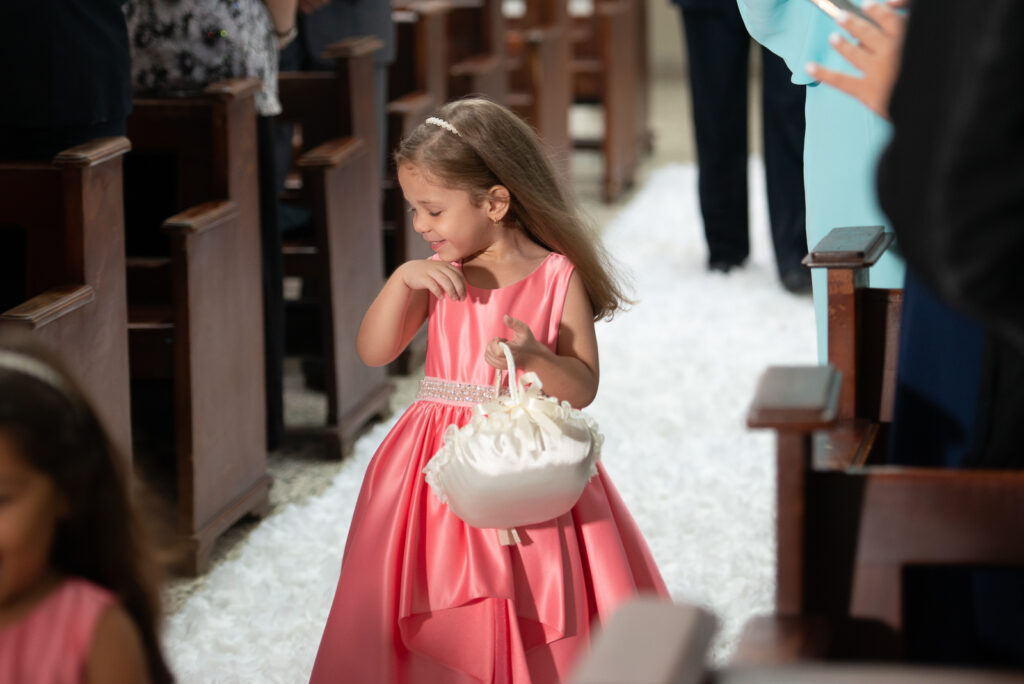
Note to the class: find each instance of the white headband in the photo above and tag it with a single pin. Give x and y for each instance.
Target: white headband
(443, 124)
(26, 365)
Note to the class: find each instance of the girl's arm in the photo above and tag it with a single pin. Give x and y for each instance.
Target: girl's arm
(401, 307)
(572, 373)
(117, 655)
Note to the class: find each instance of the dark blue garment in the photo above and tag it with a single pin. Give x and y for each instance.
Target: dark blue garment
(936, 403)
(948, 373)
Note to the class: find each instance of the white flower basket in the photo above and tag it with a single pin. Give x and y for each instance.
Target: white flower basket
(522, 459)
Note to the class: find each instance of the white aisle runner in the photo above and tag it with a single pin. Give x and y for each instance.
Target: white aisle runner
(677, 374)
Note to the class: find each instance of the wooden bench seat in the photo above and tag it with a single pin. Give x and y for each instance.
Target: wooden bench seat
(608, 68)
(342, 262)
(196, 308)
(71, 216)
(538, 48)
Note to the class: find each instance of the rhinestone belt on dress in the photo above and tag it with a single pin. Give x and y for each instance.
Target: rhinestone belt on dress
(436, 389)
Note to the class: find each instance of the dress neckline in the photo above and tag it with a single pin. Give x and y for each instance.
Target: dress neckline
(529, 275)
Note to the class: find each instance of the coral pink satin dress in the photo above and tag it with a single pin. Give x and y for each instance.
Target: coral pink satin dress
(423, 597)
(52, 642)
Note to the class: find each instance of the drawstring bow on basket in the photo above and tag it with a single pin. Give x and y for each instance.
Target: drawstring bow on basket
(522, 459)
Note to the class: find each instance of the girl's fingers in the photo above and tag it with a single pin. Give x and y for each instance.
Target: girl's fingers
(522, 330)
(435, 289)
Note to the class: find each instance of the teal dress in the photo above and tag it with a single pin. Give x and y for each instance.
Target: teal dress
(842, 143)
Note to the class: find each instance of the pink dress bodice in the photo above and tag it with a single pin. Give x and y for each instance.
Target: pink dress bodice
(50, 645)
(459, 331)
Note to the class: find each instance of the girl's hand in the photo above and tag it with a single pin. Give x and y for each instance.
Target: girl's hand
(522, 344)
(876, 54)
(439, 277)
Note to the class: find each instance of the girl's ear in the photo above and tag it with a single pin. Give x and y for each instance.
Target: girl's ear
(497, 202)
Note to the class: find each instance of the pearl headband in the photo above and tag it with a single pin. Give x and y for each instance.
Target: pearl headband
(441, 123)
(26, 365)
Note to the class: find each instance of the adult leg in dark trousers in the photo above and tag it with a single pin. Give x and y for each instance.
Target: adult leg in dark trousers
(718, 50)
(782, 112)
(273, 281)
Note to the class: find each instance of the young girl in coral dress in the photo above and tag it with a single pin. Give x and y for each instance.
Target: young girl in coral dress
(424, 597)
(79, 599)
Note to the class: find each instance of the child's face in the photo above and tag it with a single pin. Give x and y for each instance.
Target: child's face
(30, 507)
(446, 217)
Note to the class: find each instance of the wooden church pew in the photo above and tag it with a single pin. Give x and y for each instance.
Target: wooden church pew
(538, 48)
(607, 69)
(195, 311)
(343, 262)
(848, 527)
(846, 534)
(863, 339)
(418, 85)
(476, 50)
(70, 214)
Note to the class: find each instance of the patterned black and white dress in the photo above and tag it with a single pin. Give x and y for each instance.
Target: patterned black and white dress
(180, 46)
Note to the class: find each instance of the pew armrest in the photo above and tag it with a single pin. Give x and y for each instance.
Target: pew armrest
(796, 399)
(851, 247)
(652, 641)
(202, 217)
(357, 46)
(232, 88)
(94, 152)
(332, 153)
(411, 104)
(49, 306)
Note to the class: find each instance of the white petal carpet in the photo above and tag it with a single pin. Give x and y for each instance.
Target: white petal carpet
(677, 374)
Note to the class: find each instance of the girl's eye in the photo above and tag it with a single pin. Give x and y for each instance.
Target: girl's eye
(434, 213)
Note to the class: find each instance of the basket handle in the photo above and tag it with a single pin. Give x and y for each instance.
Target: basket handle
(513, 386)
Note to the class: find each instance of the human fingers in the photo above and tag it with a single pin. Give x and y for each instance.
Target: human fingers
(494, 355)
(453, 282)
(848, 84)
(854, 54)
(458, 279)
(447, 282)
(891, 22)
(522, 330)
(898, 4)
(867, 34)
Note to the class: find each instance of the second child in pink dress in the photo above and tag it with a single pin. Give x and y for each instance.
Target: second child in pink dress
(79, 599)
(424, 597)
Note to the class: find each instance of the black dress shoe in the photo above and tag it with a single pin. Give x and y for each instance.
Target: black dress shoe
(722, 265)
(797, 281)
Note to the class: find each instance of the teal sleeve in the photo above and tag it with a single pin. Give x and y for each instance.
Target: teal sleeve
(795, 30)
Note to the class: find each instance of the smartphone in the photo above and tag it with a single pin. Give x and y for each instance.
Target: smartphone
(833, 7)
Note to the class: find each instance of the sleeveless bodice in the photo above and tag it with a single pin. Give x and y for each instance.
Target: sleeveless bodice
(52, 642)
(459, 331)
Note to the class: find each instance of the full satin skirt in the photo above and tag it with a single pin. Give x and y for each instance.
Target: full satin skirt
(423, 597)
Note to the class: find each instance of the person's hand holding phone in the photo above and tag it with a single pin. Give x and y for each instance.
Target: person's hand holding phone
(876, 54)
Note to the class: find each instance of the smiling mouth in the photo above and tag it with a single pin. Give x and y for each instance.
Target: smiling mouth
(436, 245)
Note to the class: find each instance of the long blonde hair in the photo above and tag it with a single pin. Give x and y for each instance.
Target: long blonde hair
(493, 146)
